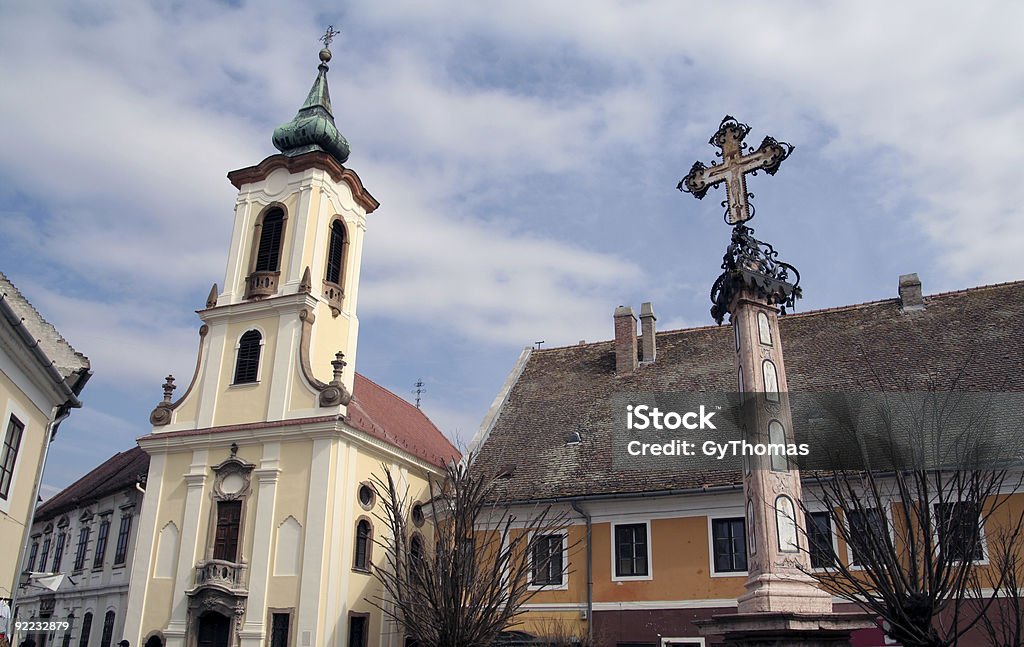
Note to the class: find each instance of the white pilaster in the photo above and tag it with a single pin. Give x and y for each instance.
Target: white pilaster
(145, 545)
(289, 332)
(310, 621)
(233, 289)
(191, 545)
(209, 378)
(253, 631)
(340, 566)
(298, 224)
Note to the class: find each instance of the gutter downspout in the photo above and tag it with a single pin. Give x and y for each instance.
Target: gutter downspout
(590, 572)
(60, 413)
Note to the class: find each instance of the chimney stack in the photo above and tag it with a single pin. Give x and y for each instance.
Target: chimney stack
(910, 293)
(648, 351)
(625, 340)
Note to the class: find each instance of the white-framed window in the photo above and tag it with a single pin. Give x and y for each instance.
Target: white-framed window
(868, 522)
(12, 438)
(959, 530)
(631, 551)
(727, 542)
(548, 563)
(821, 540)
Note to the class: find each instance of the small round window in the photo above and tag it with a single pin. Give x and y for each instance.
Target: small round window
(417, 514)
(366, 495)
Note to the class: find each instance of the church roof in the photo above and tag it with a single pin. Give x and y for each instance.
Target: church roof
(373, 410)
(382, 414)
(973, 334)
(120, 471)
(46, 343)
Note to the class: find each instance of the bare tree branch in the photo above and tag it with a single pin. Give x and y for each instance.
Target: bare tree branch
(465, 579)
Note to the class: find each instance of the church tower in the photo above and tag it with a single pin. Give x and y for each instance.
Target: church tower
(288, 305)
(258, 518)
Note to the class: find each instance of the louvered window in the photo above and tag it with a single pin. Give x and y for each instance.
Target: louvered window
(248, 364)
(268, 254)
(335, 253)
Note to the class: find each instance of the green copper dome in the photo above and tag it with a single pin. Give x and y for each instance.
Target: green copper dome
(313, 127)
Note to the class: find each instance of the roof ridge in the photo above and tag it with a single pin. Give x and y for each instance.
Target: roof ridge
(406, 403)
(796, 315)
(43, 321)
(42, 511)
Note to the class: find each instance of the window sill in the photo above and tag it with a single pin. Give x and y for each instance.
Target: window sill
(560, 586)
(730, 573)
(631, 578)
(361, 571)
(242, 385)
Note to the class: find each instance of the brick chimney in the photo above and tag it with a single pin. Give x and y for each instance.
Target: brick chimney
(910, 293)
(625, 340)
(648, 350)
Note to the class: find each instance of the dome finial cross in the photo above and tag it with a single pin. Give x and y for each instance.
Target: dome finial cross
(329, 35)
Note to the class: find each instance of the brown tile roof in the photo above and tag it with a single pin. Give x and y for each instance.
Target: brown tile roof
(120, 471)
(382, 414)
(977, 334)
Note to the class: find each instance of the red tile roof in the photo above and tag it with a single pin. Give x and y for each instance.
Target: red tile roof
(120, 471)
(382, 414)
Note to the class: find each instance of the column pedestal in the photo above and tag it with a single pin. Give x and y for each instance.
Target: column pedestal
(785, 629)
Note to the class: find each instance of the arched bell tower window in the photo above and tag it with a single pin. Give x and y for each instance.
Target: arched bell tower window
(247, 366)
(268, 254)
(268, 239)
(335, 253)
(334, 273)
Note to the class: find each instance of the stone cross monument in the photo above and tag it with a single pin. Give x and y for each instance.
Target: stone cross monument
(782, 605)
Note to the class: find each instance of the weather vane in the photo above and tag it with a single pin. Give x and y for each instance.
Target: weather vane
(329, 35)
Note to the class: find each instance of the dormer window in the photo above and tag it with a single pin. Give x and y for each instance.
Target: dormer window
(247, 366)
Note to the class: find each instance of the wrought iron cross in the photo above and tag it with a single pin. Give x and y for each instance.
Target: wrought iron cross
(329, 35)
(734, 168)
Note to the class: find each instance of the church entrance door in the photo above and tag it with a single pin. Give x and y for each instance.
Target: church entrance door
(214, 630)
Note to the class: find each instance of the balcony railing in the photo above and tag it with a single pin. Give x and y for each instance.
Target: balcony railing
(222, 574)
(334, 295)
(261, 284)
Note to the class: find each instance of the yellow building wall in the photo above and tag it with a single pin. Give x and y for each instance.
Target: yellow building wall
(30, 455)
(241, 403)
(159, 598)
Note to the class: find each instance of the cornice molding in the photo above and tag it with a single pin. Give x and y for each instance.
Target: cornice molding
(313, 160)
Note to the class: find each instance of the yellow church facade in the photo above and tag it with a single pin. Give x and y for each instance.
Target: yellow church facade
(259, 521)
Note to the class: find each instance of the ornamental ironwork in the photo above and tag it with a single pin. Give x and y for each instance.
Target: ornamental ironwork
(734, 167)
(751, 264)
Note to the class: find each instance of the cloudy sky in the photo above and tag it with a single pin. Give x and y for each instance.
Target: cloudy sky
(525, 155)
